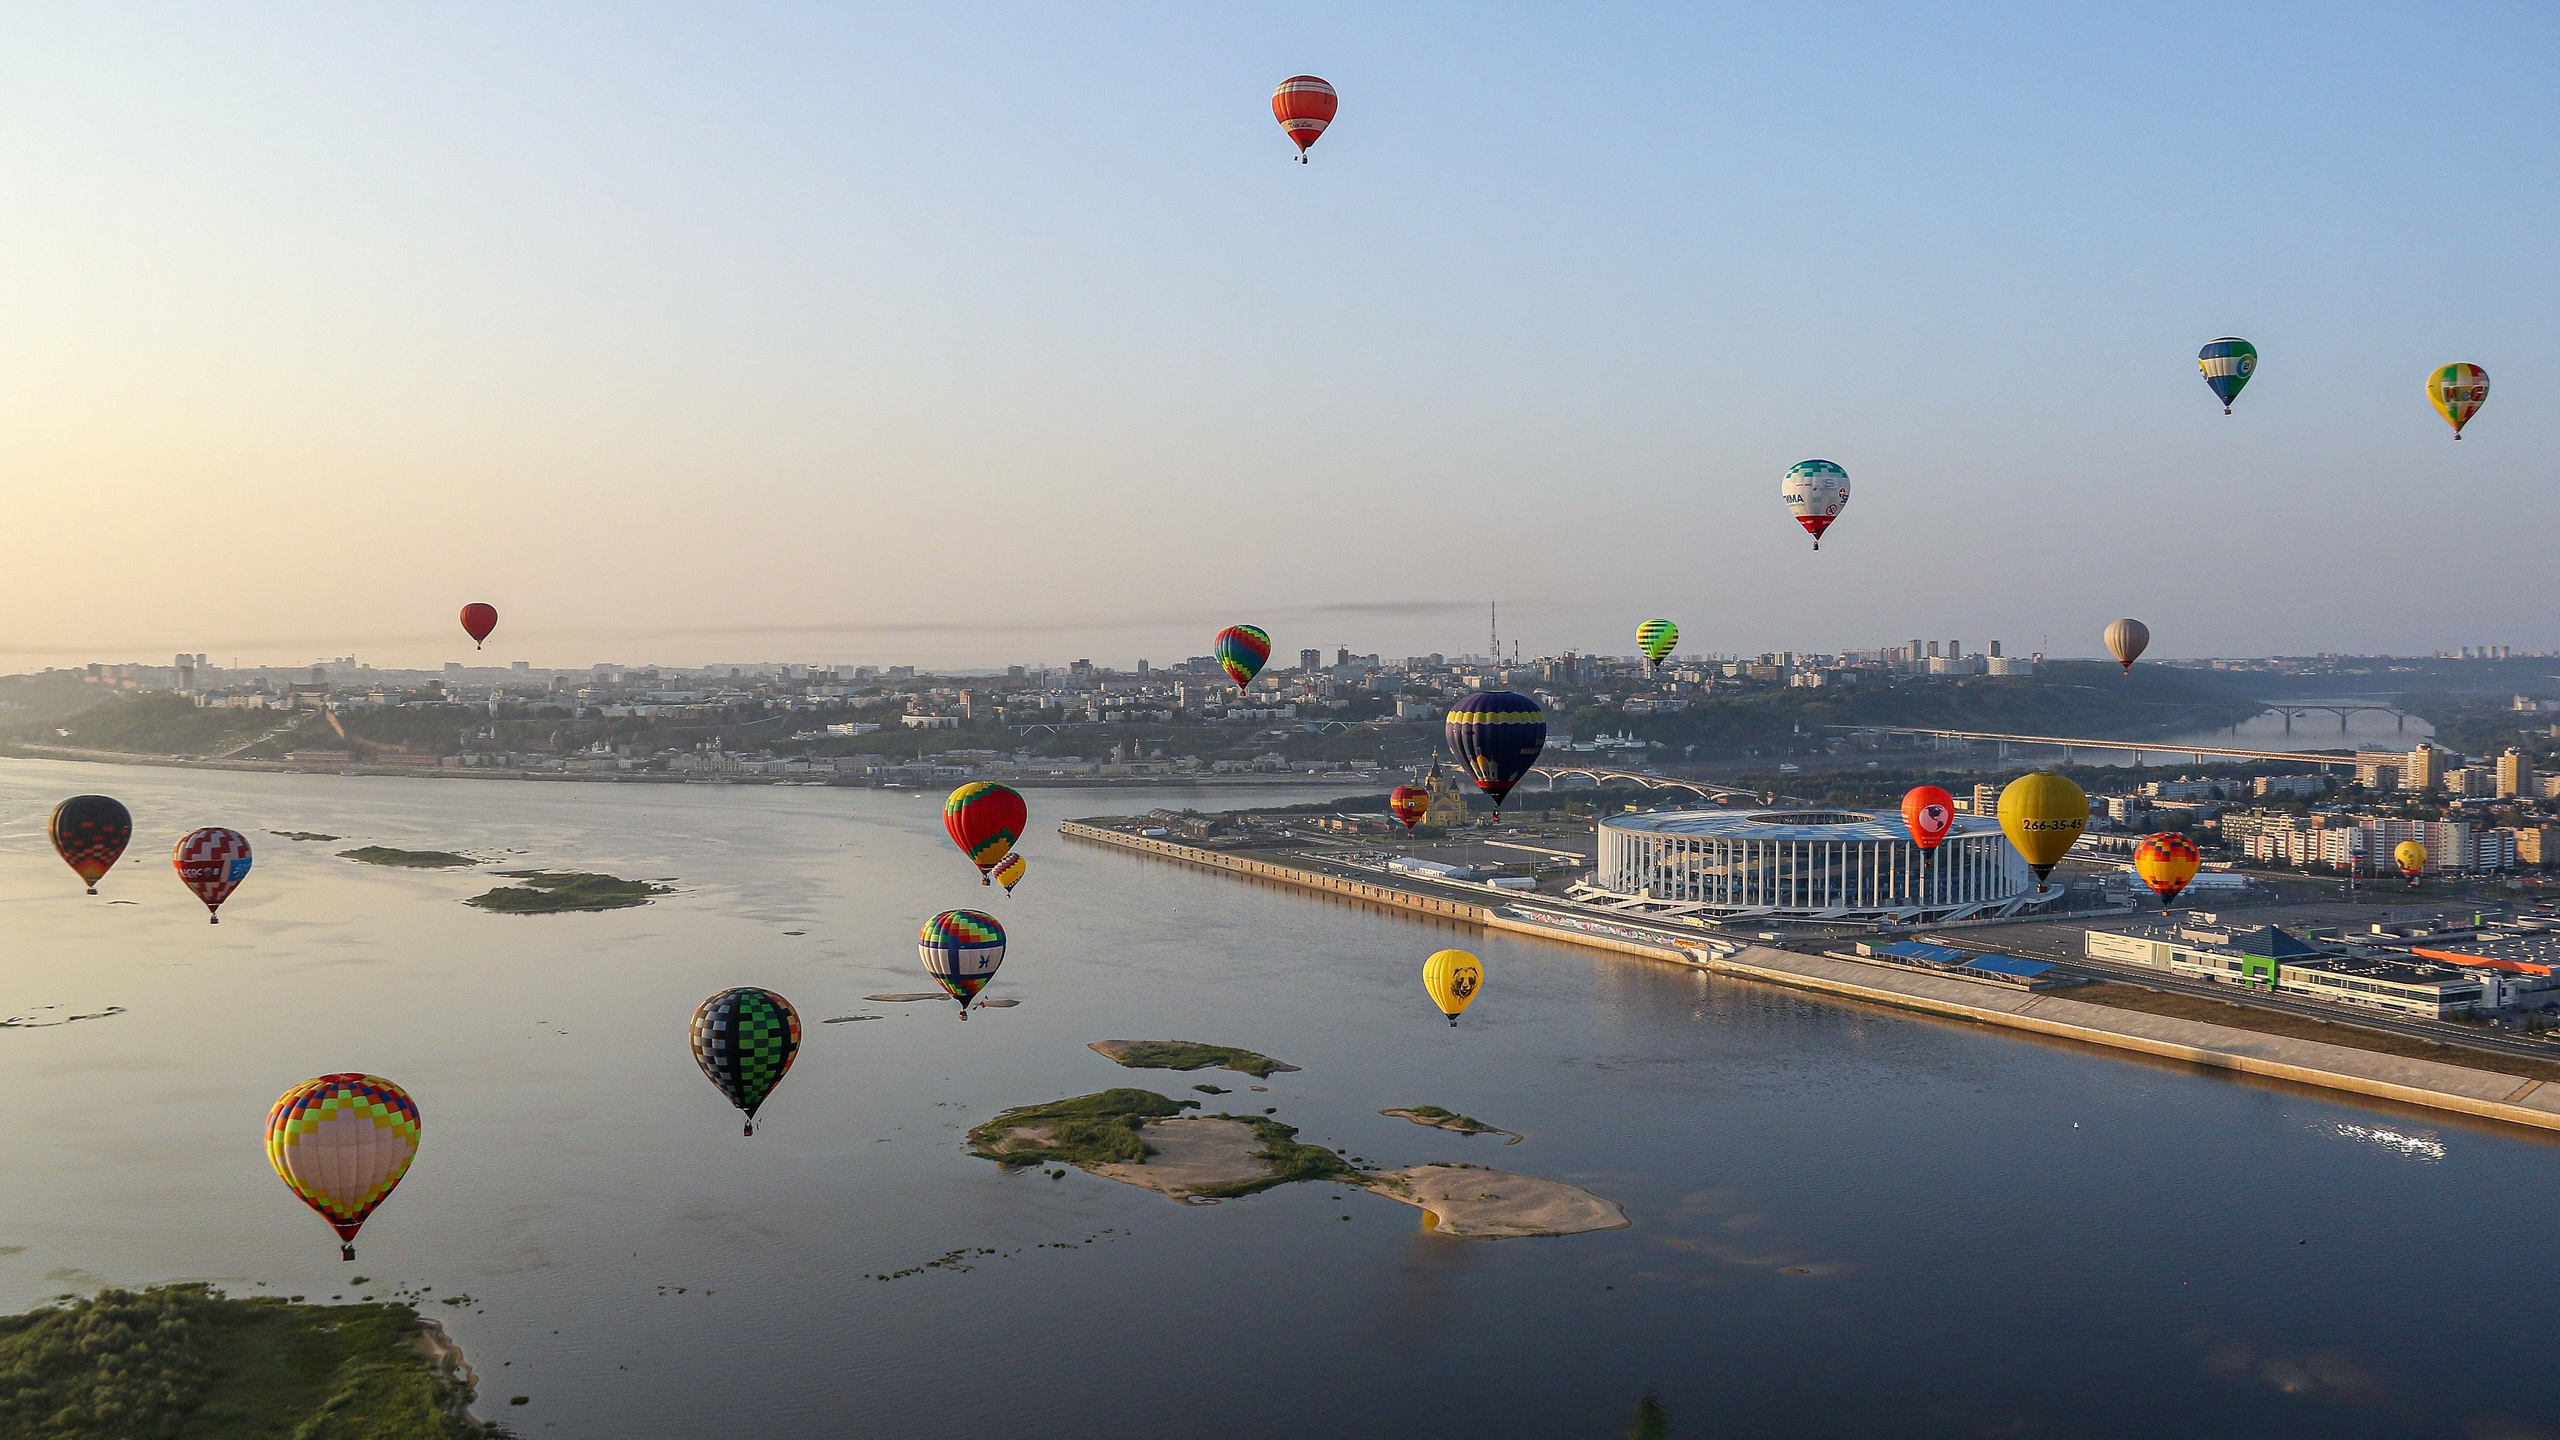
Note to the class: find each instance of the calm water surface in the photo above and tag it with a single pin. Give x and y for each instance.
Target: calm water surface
(1848, 1222)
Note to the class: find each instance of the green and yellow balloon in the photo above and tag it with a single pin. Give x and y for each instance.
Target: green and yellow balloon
(1656, 638)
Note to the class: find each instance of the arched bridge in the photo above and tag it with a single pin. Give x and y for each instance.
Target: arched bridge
(1599, 775)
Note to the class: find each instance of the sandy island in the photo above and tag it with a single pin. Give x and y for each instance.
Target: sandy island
(1138, 1137)
(1471, 1202)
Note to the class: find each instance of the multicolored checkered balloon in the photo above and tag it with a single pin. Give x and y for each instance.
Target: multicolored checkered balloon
(89, 833)
(985, 820)
(342, 1142)
(961, 950)
(1242, 650)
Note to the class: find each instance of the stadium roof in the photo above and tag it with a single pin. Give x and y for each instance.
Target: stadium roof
(1790, 824)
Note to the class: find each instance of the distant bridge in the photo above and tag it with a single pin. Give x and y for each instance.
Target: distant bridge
(2294, 712)
(2138, 748)
(1601, 776)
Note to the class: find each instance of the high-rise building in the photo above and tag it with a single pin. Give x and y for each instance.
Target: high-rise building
(1310, 661)
(1995, 649)
(1955, 649)
(1986, 800)
(1933, 649)
(2515, 775)
(2424, 769)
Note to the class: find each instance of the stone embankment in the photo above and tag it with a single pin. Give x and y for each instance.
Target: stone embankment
(2425, 1083)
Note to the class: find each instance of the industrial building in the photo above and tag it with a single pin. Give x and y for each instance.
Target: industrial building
(2321, 966)
(1807, 864)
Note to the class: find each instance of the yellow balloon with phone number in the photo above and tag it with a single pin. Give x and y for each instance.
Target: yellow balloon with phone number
(1453, 977)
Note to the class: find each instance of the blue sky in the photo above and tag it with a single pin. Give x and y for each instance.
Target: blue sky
(975, 334)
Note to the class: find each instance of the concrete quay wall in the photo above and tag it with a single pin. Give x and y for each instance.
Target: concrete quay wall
(2424, 1083)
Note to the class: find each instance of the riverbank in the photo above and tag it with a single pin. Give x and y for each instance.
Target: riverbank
(2400, 1079)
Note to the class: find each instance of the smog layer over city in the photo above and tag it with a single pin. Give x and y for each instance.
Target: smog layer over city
(985, 719)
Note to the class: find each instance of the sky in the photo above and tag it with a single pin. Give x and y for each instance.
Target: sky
(971, 334)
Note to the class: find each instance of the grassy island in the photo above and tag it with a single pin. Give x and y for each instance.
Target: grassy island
(186, 1362)
(1099, 1129)
(1439, 1119)
(1187, 1055)
(407, 859)
(552, 892)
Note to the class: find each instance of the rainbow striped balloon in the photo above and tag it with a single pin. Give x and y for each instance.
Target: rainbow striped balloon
(1242, 650)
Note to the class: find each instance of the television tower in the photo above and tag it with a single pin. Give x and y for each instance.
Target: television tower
(1493, 619)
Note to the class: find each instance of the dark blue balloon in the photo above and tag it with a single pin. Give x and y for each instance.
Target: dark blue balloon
(1497, 735)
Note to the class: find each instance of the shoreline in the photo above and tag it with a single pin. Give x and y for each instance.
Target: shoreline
(2427, 1084)
(70, 755)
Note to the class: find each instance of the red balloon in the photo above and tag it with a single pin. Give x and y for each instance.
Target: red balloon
(212, 862)
(478, 620)
(1931, 813)
(1407, 803)
(1304, 105)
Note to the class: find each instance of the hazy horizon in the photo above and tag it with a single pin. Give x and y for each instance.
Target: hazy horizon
(951, 336)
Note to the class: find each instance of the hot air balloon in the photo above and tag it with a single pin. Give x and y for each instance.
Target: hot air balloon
(2227, 364)
(2043, 814)
(961, 950)
(1816, 490)
(212, 862)
(1241, 651)
(2457, 392)
(1304, 105)
(1929, 813)
(2412, 859)
(2126, 640)
(1010, 873)
(985, 820)
(2166, 862)
(1657, 638)
(1497, 735)
(745, 1040)
(342, 1142)
(1408, 803)
(89, 833)
(1452, 977)
(478, 620)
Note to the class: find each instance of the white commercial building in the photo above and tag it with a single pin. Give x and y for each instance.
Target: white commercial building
(1810, 864)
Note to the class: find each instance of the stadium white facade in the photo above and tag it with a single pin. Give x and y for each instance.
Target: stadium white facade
(1806, 865)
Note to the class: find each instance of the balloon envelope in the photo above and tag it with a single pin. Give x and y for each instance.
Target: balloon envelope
(478, 620)
(1453, 977)
(2126, 640)
(1408, 803)
(1929, 813)
(212, 862)
(745, 1040)
(1657, 638)
(2458, 392)
(1241, 651)
(961, 950)
(342, 1142)
(2043, 814)
(1304, 105)
(2166, 862)
(1497, 735)
(1010, 873)
(985, 820)
(1816, 491)
(90, 832)
(2410, 856)
(2227, 364)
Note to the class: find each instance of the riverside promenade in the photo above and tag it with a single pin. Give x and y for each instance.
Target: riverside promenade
(2425, 1083)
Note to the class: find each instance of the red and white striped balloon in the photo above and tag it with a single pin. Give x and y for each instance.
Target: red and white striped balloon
(1304, 105)
(212, 862)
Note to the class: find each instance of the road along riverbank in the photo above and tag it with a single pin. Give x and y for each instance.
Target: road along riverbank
(2426, 1083)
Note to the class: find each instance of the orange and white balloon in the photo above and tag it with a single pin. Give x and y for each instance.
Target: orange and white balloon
(1304, 105)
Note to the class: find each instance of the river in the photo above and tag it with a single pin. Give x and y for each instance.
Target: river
(1847, 1221)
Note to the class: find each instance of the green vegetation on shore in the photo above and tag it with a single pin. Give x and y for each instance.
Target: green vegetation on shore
(186, 1362)
(408, 859)
(1187, 1055)
(1446, 1119)
(1098, 1129)
(552, 892)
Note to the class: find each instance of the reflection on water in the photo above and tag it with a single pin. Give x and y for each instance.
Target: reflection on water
(2415, 1147)
(1846, 1222)
(2300, 725)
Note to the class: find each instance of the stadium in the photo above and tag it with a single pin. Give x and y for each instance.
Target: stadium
(1806, 865)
